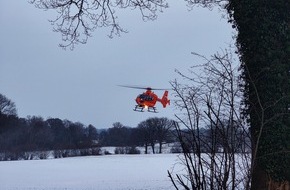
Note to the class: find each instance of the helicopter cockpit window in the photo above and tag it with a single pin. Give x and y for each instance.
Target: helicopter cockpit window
(145, 97)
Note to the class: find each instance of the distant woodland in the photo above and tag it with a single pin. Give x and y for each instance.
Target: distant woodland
(32, 137)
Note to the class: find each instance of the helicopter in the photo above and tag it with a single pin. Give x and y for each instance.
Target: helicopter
(148, 99)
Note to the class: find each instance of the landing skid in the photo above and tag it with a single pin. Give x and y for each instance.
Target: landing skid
(142, 109)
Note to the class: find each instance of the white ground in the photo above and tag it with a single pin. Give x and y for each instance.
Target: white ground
(110, 172)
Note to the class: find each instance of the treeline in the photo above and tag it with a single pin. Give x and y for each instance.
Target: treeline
(21, 135)
(148, 133)
(18, 135)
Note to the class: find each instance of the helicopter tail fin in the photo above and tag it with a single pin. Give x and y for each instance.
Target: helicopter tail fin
(165, 100)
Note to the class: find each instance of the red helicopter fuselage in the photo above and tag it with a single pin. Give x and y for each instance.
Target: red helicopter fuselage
(148, 100)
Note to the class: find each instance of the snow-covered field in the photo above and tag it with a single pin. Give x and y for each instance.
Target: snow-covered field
(109, 172)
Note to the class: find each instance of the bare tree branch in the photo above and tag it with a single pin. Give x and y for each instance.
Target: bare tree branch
(213, 137)
(76, 20)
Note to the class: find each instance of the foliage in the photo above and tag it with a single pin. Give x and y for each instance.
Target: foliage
(263, 43)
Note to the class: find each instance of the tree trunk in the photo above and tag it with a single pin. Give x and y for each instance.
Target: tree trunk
(153, 148)
(260, 179)
(146, 148)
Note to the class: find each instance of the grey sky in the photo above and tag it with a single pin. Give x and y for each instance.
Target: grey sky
(81, 85)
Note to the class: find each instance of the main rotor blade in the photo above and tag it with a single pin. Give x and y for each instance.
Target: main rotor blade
(139, 87)
(136, 87)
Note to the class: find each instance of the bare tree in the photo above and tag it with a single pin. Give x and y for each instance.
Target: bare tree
(211, 99)
(7, 107)
(145, 135)
(119, 135)
(155, 130)
(162, 127)
(148, 134)
(77, 19)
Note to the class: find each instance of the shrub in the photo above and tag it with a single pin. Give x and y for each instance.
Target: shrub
(132, 150)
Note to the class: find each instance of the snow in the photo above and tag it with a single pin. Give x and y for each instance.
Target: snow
(108, 172)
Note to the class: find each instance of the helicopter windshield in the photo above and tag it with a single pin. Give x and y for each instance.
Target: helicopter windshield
(145, 97)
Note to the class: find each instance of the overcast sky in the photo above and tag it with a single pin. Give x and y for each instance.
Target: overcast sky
(81, 85)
